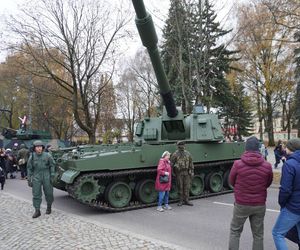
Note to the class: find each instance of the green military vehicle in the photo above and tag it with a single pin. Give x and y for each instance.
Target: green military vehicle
(26, 136)
(122, 177)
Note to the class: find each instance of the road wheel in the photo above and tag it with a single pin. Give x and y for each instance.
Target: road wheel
(118, 194)
(197, 185)
(214, 182)
(145, 191)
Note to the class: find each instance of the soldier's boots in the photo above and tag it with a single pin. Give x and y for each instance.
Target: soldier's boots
(188, 203)
(36, 214)
(48, 210)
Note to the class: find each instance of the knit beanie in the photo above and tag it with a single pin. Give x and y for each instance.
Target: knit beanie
(293, 144)
(252, 144)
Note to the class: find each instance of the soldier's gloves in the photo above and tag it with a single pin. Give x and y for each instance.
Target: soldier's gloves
(29, 182)
(167, 173)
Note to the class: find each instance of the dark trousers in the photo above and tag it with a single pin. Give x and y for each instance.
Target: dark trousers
(2, 181)
(38, 185)
(23, 169)
(278, 159)
(293, 236)
(256, 216)
(183, 180)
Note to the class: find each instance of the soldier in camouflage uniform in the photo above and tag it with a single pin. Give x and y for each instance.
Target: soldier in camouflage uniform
(22, 158)
(182, 164)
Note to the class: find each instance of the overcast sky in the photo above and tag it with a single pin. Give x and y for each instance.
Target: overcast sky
(157, 8)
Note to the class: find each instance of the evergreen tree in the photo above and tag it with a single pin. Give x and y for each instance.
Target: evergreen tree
(175, 54)
(194, 62)
(210, 60)
(237, 114)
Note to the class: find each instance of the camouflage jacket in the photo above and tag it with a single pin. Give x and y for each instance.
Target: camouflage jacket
(181, 161)
(23, 154)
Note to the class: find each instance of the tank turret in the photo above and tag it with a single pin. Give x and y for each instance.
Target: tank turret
(173, 124)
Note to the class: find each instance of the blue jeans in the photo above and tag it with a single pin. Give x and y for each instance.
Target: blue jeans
(285, 221)
(163, 197)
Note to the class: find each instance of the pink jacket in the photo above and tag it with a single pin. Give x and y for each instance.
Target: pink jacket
(163, 166)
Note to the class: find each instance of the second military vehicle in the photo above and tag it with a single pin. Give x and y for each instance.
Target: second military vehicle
(10, 137)
(121, 177)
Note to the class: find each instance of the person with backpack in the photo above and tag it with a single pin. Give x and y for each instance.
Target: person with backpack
(22, 158)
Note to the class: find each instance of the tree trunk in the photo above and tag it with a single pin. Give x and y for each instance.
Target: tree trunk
(259, 112)
(92, 138)
(130, 136)
(289, 129)
(270, 128)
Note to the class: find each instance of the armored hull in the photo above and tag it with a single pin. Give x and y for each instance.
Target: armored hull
(122, 177)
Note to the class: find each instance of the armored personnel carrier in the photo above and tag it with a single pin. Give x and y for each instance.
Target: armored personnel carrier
(26, 136)
(122, 177)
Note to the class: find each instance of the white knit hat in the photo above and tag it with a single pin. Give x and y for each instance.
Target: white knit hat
(165, 153)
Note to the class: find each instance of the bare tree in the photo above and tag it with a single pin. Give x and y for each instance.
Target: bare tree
(82, 38)
(266, 60)
(128, 102)
(138, 94)
(285, 13)
(146, 82)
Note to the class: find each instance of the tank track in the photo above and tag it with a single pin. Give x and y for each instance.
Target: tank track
(104, 206)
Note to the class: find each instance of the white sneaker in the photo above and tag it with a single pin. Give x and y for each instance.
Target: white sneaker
(160, 209)
(167, 207)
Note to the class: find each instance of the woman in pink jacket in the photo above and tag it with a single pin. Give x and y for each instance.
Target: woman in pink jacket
(163, 181)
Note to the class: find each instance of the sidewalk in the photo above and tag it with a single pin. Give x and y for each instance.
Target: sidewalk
(61, 231)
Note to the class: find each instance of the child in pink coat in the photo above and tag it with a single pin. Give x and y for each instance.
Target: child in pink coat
(163, 186)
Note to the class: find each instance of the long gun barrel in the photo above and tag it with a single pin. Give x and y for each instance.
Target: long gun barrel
(149, 39)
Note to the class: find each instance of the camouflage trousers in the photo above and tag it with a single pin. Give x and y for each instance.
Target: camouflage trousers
(183, 180)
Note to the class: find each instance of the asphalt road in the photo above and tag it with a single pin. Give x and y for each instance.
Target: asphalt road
(203, 226)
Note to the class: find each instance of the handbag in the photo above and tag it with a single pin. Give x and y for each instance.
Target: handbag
(163, 178)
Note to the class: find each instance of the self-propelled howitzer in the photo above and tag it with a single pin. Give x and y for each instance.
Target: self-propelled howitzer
(121, 177)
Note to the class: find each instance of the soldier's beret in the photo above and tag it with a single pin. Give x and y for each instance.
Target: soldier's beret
(180, 143)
